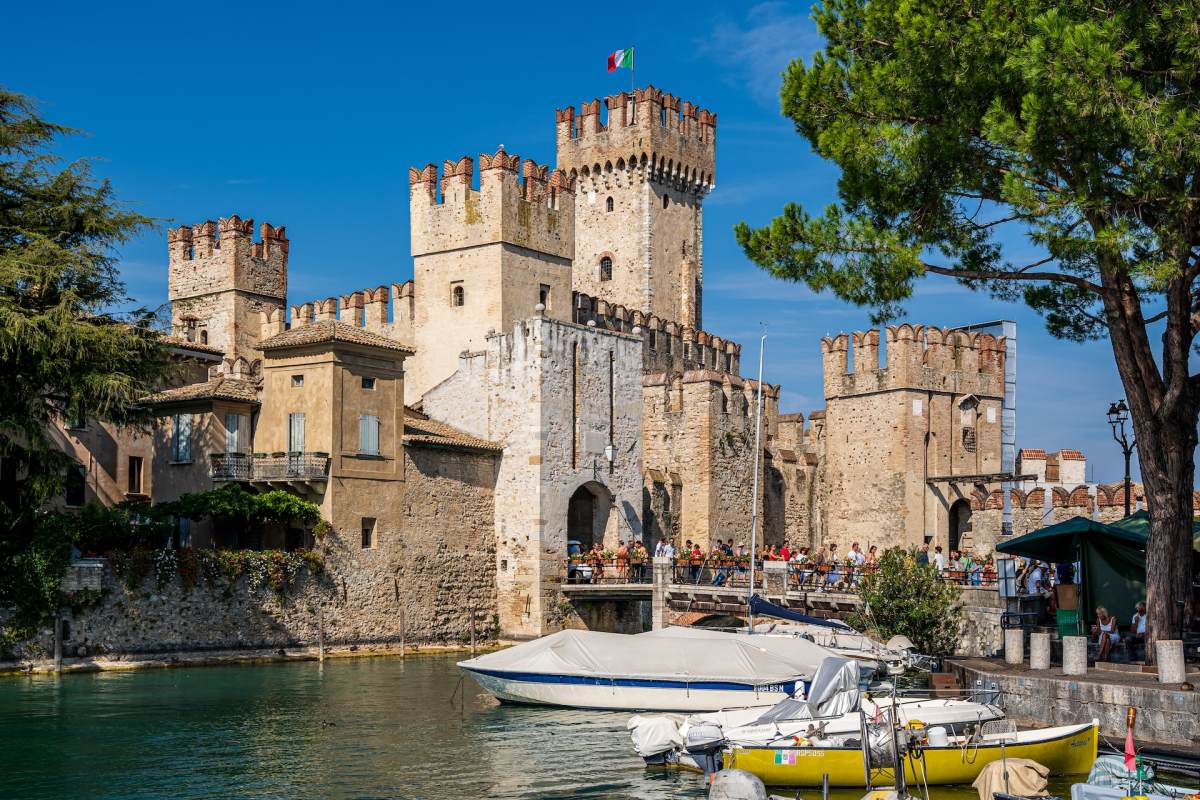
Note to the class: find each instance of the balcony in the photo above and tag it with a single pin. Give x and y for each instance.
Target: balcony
(291, 468)
(231, 466)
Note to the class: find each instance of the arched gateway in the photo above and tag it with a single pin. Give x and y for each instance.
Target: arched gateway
(588, 513)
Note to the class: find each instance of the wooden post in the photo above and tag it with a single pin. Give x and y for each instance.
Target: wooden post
(472, 607)
(320, 633)
(403, 634)
(58, 640)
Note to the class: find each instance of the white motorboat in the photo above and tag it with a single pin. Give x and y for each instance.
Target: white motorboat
(844, 641)
(789, 641)
(590, 669)
(835, 707)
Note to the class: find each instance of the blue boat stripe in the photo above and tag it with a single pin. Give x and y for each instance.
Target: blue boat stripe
(587, 680)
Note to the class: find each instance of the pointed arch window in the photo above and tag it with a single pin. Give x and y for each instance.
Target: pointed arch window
(608, 204)
(606, 269)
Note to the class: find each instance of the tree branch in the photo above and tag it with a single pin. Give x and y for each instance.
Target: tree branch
(1002, 275)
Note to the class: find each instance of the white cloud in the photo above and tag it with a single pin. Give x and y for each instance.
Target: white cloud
(758, 48)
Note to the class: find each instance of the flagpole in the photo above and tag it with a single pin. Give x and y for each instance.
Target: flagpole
(632, 68)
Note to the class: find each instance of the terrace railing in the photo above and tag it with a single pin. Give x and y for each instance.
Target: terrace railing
(277, 467)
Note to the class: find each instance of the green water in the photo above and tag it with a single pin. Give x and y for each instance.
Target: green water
(352, 728)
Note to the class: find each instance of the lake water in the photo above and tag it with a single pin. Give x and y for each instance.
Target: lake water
(351, 728)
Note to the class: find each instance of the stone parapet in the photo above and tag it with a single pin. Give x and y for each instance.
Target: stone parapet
(536, 213)
(654, 133)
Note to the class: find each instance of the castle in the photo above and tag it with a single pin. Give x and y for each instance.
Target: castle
(545, 378)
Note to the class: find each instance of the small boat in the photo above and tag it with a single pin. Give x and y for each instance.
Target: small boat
(1064, 750)
(590, 669)
(845, 642)
(835, 706)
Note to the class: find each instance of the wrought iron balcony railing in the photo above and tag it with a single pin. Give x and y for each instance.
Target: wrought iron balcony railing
(291, 467)
(275, 467)
(231, 466)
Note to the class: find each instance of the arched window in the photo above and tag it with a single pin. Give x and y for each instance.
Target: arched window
(203, 337)
(458, 296)
(606, 269)
(666, 201)
(608, 204)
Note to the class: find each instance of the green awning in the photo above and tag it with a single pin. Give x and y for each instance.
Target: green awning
(1060, 542)
(1139, 523)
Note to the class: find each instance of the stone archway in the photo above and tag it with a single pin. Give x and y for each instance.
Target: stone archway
(588, 513)
(960, 526)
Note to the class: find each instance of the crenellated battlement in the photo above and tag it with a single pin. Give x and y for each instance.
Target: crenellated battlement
(520, 203)
(647, 132)
(213, 256)
(916, 357)
(669, 346)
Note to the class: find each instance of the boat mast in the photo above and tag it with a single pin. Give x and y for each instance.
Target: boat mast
(762, 346)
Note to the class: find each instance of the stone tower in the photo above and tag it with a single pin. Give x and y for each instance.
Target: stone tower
(908, 444)
(220, 281)
(484, 258)
(642, 175)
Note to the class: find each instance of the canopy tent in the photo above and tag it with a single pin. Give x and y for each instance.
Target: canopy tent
(1112, 559)
(1112, 562)
(1139, 522)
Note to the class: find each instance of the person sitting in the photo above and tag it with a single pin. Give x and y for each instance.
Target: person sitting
(1106, 633)
(1137, 628)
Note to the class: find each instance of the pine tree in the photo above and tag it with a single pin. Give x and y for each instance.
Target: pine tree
(66, 351)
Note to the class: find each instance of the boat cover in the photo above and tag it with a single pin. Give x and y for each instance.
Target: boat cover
(834, 692)
(804, 654)
(769, 609)
(1022, 777)
(726, 657)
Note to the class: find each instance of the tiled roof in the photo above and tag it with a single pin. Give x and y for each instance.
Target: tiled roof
(331, 330)
(184, 344)
(421, 430)
(221, 388)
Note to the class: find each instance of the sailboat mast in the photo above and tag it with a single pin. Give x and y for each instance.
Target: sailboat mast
(762, 346)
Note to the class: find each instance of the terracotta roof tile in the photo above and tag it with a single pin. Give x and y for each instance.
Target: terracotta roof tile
(331, 330)
(184, 344)
(220, 388)
(421, 430)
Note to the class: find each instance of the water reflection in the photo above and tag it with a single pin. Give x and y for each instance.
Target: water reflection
(372, 728)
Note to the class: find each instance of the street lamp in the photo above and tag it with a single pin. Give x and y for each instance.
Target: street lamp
(1118, 413)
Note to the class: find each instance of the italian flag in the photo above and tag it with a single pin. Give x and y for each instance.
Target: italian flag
(621, 58)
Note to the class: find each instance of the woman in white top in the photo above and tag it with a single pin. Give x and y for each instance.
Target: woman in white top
(1106, 632)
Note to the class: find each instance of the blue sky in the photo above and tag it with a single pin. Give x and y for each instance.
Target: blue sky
(309, 115)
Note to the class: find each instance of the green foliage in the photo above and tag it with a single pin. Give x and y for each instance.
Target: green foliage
(64, 350)
(221, 569)
(906, 598)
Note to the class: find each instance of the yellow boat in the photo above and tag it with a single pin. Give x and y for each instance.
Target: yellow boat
(1065, 750)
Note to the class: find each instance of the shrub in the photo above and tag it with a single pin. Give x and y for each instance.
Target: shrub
(906, 598)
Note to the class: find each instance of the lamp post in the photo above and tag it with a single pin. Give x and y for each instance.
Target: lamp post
(1118, 413)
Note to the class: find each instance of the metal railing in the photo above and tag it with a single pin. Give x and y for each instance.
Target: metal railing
(231, 466)
(276, 467)
(609, 570)
(714, 570)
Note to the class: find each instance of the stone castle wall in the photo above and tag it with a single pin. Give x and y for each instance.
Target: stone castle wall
(554, 394)
(444, 566)
(698, 445)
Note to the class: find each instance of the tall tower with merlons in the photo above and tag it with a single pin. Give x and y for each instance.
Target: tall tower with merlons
(643, 171)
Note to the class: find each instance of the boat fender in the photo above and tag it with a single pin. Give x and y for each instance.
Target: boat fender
(736, 784)
(938, 737)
